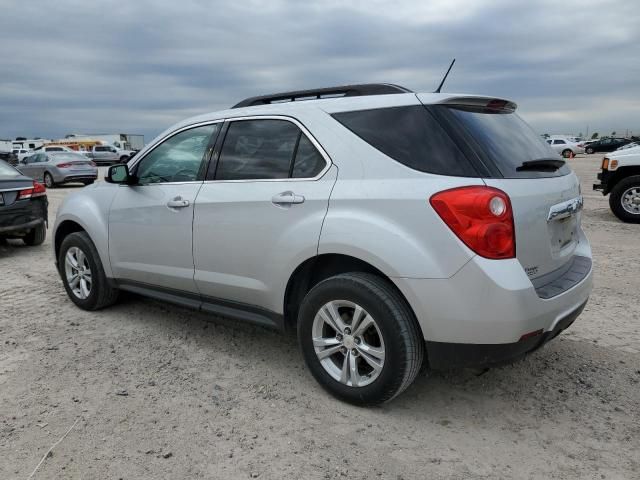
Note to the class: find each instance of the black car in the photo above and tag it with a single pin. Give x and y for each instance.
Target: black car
(23, 206)
(605, 145)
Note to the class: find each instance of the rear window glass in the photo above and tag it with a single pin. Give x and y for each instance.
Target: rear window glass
(506, 140)
(7, 171)
(411, 136)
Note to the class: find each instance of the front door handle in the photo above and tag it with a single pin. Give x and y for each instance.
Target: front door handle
(178, 202)
(287, 198)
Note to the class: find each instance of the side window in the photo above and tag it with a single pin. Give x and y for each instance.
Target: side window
(558, 142)
(257, 149)
(177, 159)
(308, 162)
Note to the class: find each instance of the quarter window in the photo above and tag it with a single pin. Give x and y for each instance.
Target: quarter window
(308, 162)
(177, 159)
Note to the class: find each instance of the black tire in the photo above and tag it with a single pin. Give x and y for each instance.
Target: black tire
(403, 341)
(48, 180)
(566, 153)
(616, 200)
(35, 236)
(101, 294)
(124, 159)
(590, 150)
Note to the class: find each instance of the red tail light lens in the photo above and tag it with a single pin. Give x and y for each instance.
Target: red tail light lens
(63, 165)
(38, 190)
(481, 217)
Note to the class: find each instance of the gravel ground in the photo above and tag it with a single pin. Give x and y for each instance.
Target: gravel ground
(162, 392)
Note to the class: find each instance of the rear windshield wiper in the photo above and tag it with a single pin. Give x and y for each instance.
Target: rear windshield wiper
(542, 165)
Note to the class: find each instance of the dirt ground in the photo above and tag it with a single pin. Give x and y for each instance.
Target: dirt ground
(163, 392)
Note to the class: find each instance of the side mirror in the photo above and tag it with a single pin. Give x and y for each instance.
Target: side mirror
(119, 174)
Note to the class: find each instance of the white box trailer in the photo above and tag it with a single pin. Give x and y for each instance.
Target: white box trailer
(122, 141)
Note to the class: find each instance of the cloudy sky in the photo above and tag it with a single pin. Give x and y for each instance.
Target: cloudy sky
(138, 66)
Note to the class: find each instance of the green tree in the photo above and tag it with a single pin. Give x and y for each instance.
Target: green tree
(594, 136)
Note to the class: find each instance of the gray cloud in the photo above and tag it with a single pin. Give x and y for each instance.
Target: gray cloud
(77, 66)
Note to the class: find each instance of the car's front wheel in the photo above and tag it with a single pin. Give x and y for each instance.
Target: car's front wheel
(567, 153)
(625, 199)
(589, 150)
(82, 273)
(359, 338)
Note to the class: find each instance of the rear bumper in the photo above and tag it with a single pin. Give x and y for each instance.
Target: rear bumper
(444, 356)
(605, 179)
(23, 215)
(488, 305)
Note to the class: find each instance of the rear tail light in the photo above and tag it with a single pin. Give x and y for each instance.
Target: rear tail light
(63, 165)
(481, 217)
(38, 190)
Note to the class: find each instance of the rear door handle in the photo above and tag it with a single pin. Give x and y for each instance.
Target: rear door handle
(287, 198)
(178, 202)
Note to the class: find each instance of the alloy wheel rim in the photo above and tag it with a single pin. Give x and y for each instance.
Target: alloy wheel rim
(78, 273)
(48, 181)
(631, 200)
(348, 343)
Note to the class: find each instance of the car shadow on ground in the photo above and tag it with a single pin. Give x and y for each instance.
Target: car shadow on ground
(560, 378)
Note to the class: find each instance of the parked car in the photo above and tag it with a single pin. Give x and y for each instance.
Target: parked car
(53, 148)
(23, 206)
(628, 145)
(565, 146)
(384, 226)
(22, 153)
(606, 145)
(9, 157)
(108, 154)
(620, 179)
(57, 168)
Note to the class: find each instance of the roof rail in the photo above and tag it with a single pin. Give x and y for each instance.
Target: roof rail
(330, 92)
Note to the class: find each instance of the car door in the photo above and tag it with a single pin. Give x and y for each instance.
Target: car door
(33, 166)
(150, 223)
(260, 212)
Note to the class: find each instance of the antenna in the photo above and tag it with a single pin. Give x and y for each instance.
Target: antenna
(445, 76)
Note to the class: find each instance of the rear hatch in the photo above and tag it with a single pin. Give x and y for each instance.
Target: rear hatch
(510, 156)
(74, 162)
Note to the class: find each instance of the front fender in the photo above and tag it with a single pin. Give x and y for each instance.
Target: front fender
(89, 208)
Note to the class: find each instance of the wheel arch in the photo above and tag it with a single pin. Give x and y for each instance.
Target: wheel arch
(620, 174)
(320, 267)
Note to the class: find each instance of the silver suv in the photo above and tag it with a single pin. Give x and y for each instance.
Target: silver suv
(390, 229)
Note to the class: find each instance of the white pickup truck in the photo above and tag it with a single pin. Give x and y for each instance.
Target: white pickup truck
(620, 177)
(108, 154)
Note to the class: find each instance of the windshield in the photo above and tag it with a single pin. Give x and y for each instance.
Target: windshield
(7, 171)
(506, 140)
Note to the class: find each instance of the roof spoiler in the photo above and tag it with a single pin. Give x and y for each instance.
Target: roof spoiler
(483, 103)
(319, 93)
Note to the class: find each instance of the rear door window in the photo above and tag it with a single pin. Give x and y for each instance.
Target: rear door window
(409, 135)
(267, 149)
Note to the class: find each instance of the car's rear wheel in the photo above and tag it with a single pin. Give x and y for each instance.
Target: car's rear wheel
(82, 273)
(124, 159)
(359, 338)
(566, 153)
(35, 236)
(48, 180)
(589, 150)
(625, 199)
